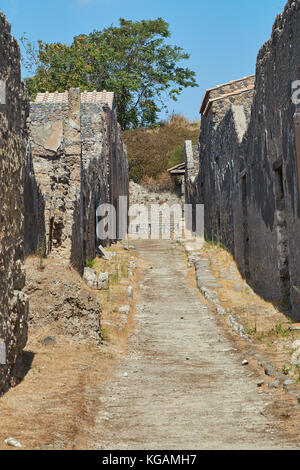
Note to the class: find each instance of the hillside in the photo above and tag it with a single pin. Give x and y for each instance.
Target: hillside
(152, 151)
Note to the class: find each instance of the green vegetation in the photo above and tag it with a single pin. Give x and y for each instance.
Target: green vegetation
(114, 277)
(90, 263)
(285, 370)
(120, 272)
(279, 331)
(177, 156)
(298, 372)
(152, 151)
(214, 244)
(131, 60)
(250, 331)
(124, 270)
(104, 334)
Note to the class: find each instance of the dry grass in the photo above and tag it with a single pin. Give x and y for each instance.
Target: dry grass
(117, 296)
(260, 319)
(49, 407)
(267, 326)
(55, 406)
(152, 151)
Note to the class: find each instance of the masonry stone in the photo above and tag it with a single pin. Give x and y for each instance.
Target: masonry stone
(77, 161)
(13, 140)
(90, 277)
(248, 176)
(153, 214)
(103, 281)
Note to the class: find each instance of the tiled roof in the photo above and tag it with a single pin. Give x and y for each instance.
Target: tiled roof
(86, 97)
(178, 169)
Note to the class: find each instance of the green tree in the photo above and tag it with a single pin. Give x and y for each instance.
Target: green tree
(132, 60)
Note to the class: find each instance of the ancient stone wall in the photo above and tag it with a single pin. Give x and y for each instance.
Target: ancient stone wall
(191, 162)
(78, 162)
(219, 184)
(13, 135)
(223, 125)
(272, 251)
(248, 176)
(147, 217)
(220, 96)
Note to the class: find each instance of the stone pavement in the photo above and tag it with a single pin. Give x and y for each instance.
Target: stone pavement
(182, 384)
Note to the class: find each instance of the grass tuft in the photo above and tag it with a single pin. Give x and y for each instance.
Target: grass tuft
(90, 263)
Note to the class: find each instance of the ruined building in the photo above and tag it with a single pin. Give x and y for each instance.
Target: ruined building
(248, 172)
(76, 162)
(60, 158)
(225, 112)
(13, 302)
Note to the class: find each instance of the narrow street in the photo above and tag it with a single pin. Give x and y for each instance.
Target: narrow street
(182, 384)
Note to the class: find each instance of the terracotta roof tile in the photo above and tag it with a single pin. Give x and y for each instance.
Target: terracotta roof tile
(86, 97)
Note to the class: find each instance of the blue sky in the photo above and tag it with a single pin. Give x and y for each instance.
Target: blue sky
(222, 36)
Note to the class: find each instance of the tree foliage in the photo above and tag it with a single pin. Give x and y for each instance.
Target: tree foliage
(132, 60)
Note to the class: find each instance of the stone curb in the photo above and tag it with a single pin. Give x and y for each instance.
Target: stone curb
(203, 273)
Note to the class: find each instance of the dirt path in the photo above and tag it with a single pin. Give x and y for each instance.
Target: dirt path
(182, 384)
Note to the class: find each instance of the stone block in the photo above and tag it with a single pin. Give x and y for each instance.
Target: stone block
(90, 277)
(103, 281)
